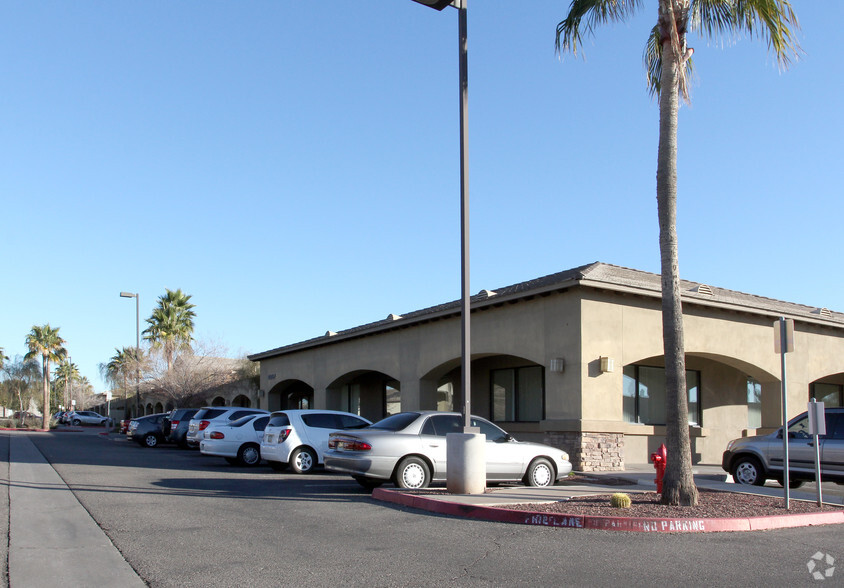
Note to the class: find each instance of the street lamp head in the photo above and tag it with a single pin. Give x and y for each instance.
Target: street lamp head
(436, 4)
(128, 295)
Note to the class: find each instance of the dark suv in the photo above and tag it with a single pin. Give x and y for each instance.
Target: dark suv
(176, 425)
(752, 460)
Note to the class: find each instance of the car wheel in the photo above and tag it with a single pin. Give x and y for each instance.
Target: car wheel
(540, 473)
(278, 466)
(150, 440)
(413, 473)
(76, 422)
(748, 470)
(249, 455)
(368, 483)
(303, 460)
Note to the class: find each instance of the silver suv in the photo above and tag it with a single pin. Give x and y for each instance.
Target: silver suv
(752, 460)
(215, 414)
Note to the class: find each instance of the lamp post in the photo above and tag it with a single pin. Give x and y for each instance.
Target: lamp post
(137, 298)
(466, 451)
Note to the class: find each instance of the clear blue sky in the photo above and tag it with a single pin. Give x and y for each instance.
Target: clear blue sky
(294, 165)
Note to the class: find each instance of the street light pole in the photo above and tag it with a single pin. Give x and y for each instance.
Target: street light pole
(137, 298)
(466, 452)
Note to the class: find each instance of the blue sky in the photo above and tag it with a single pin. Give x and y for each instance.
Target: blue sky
(294, 165)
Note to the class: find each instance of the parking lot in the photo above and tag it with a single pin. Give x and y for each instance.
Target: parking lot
(180, 518)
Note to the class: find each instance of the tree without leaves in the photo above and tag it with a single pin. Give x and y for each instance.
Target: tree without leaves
(668, 63)
(46, 342)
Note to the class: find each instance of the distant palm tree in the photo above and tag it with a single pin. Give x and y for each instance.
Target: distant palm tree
(69, 373)
(171, 324)
(667, 60)
(46, 342)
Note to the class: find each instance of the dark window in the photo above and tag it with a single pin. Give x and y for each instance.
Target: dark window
(443, 424)
(643, 395)
(492, 432)
(396, 422)
(518, 394)
(279, 420)
(240, 413)
(829, 394)
(241, 421)
(350, 422)
(321, 420)
(208, 413)
(260, 424)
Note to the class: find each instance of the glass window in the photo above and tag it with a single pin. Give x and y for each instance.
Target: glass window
(829, 394)
(350, 398)
(492, 432)
(396, 422)
(643, 395)
(350, 422)
(392, 397)
(754, 404)
(279, 420)
(518, 394)
(321, 420)
(445, 396)
(261, 423)
(799, 429)
(443, 424)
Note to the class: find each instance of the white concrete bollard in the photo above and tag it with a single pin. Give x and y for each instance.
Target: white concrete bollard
(466, 463)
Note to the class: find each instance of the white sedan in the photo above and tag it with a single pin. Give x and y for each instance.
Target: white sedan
(238, 441)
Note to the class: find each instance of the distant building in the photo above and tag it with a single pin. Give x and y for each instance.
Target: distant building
(575, 360)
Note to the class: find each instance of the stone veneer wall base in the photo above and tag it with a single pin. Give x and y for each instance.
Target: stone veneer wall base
(590, 452)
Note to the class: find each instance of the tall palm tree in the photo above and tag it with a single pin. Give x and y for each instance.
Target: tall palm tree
(46, 342)
(171, 324)
(667, 59)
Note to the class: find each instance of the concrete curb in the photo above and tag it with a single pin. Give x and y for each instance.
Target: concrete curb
(645, 525)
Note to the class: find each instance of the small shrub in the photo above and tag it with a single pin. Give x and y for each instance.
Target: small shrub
(620, 500)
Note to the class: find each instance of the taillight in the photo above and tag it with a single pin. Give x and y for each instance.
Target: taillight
(348, 444)
(174, 424)
(203, 425)
(283, 435)
(217, 435)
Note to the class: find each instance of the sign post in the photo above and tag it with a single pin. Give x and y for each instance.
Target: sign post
(817, 426)
(783, 343)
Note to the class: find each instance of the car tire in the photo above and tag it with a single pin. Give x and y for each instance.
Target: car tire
(793, 484)
(278, 466)
(412, 473)
(368, 483)
(540, 473)
(748, 470)
(76, 422)
(303, 460)
(150, 440)
(249, 455)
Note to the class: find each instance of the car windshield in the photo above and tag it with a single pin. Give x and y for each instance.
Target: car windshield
(241, 421)
(395, 422)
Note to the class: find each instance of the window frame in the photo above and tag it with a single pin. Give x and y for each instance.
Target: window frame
(516, 393)
(698, 421)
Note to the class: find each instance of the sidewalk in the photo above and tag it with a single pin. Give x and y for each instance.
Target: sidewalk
(52, 538)
(638, 478)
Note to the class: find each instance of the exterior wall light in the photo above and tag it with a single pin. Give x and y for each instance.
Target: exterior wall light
(607, 364)
(558, 365)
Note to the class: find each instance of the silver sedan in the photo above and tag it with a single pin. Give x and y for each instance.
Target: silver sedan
(409, 449)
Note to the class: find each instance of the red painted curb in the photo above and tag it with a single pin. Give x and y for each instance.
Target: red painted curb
(645, 525)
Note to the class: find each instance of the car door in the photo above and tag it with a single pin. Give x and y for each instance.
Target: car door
(504, 456)
(801, 448)
(432, 440)
(832, 448)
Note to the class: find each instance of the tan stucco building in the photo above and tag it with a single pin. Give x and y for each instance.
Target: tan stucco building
(575, 360)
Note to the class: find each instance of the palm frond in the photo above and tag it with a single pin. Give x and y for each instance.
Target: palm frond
(585, 15)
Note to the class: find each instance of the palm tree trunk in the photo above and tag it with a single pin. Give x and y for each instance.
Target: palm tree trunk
(678, 484)
(45, 375)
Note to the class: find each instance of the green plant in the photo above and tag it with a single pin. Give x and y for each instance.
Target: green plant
(620, 500)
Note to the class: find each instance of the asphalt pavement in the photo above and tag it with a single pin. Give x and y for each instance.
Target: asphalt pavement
(53, 538)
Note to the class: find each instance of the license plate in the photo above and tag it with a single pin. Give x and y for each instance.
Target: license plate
(268, 439)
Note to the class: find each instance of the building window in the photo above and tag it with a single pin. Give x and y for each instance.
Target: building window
(754, 404)
(644, 395)
(350, 398)
(392, 398)
(518, 394)
(445, 396)
(829, 394)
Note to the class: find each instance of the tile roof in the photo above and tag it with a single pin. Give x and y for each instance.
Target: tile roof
(595, 275)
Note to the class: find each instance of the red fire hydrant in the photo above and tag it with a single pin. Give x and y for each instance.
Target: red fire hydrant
(659, 458)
